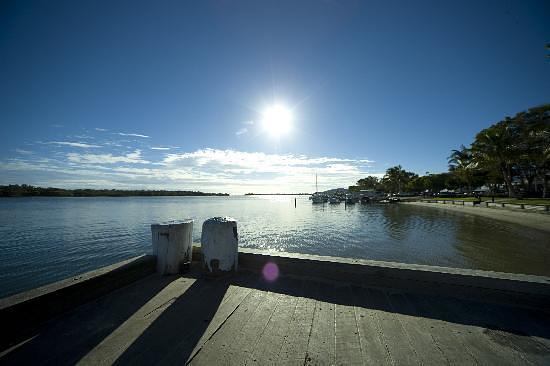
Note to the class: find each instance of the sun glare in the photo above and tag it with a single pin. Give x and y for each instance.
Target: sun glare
(277, 120)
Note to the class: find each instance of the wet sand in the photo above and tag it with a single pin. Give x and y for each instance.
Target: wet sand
(528, 219)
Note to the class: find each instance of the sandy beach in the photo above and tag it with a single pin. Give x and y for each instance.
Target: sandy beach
(528, 219)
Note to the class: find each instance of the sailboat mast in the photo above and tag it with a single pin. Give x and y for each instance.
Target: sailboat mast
(316, 189)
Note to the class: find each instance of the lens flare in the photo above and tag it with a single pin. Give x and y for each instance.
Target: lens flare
(270, 272)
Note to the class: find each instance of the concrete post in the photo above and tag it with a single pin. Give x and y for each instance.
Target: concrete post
(219, 245)
(173, 246)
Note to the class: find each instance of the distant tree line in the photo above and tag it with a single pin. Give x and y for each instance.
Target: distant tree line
(398, 180)
(25, 190)
(513, 154)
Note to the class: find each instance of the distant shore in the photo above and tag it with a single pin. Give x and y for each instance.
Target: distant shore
(31, 191)
(277, 194)
(527, 219)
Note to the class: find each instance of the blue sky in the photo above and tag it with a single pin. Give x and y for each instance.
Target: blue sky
(170, 94)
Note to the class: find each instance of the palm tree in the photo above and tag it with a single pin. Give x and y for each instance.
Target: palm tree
(396, 177)
(535, 135)
(369, 182)
(496, 148)
(462, 164)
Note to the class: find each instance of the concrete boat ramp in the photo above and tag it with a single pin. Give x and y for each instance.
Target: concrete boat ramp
(319, 311)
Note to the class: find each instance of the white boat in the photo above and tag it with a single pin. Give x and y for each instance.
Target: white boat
(350, 200)
(318, 197)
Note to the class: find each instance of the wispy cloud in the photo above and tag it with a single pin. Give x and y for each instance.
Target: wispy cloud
(73, 144)
(255, 160)
(85, 137)
(23, 152)
(133, 135)
(279, 172)
(241, 131)
(132, 158)
(209, 169)
(101, 129)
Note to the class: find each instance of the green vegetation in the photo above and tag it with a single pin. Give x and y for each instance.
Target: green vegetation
(517, 149)
(27, 190)
(397, 180)
(511, 157)
(466, 199)
(529, 201)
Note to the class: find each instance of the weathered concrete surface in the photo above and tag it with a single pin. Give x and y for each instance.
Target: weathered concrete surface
(514, 289)
(524, 218)
(172, 245)
(220, 243)
(321, 310)
(489, 286)
(22, 314)
(295, 320)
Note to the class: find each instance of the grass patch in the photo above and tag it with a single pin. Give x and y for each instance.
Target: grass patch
(529, 201)
(467, 199)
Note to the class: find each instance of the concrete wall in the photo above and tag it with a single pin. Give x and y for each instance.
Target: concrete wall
(20, 314)
(498, 287)
(514, 289)
(24, 312)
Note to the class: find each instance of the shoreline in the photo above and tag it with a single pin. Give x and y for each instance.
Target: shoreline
(527, 219)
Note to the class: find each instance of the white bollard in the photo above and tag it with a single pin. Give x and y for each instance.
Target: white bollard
(173, 246)
(219, 245)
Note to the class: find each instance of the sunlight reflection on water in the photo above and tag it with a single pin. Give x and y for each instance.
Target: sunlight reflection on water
(47, 239)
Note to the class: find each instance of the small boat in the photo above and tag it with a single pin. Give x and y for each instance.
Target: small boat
(392, 199)
(334, 200)
(350, 200)
(365, 200)
(318, 198)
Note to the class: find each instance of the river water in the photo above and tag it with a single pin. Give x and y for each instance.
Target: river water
(47, 239)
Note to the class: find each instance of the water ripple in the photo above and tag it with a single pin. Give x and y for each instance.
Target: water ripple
(47, 239)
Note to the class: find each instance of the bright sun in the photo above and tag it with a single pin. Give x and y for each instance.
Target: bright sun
(277, 120)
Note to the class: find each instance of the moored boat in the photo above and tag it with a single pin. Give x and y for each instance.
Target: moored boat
(350, 200)
(318, 198)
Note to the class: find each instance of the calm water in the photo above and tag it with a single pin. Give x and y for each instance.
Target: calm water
(47, 239)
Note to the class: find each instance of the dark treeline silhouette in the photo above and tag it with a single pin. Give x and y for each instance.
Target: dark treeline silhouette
(511, 156)
(25, 190)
